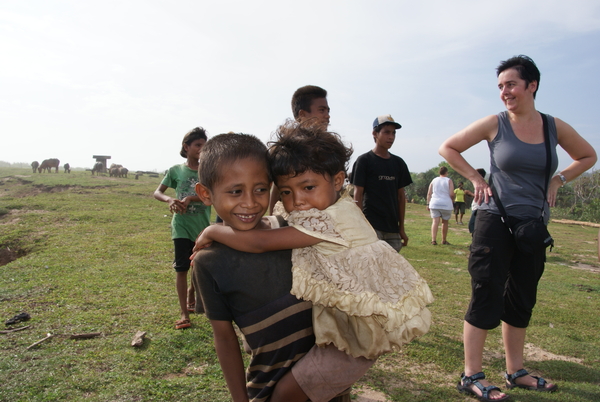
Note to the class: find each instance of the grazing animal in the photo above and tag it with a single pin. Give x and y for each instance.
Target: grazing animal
(98, 166)
(48, 164)
(67, 168)
(114, 172)
(123, 172)
(35, 165)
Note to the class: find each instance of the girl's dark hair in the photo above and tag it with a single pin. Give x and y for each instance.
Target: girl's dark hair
(301, 147)
(226, 149)
(526, 68)
(443, 170)
(194, 134)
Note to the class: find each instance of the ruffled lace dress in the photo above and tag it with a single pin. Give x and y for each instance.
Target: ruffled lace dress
(367, 299)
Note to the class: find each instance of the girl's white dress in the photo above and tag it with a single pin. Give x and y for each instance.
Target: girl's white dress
(367, 299)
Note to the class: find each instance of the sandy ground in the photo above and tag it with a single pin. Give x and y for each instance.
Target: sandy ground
(366, 394)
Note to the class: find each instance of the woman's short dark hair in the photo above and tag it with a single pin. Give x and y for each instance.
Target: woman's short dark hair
(225, 149)
(443, 170)
(526, 68)
(301, 147)
(303, 97)
(194, 134)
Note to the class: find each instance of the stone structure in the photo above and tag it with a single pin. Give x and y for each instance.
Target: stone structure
(102, 159)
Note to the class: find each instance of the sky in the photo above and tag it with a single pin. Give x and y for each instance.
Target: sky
(129, 78)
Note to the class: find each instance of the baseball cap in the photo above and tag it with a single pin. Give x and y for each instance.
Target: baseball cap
(385, 119)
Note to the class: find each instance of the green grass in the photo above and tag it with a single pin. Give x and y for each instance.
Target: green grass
(95, 256)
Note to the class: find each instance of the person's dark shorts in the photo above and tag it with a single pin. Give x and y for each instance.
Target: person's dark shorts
(183, 251)
(503, 280)
(393, 239)
(459, 206)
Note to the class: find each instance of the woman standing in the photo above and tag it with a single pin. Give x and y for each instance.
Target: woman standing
(439, 204)
(504, 279)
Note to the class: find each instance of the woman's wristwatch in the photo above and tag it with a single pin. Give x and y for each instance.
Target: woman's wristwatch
(562, 178)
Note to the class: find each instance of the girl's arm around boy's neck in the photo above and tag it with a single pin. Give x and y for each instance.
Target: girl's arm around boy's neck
(256, 240)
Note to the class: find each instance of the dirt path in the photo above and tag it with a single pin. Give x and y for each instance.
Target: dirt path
(570, 222)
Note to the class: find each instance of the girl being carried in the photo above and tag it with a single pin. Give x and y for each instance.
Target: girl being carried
(367, 299)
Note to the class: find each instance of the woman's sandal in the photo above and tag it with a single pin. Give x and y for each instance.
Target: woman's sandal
(191, 307)
(434, 243)
(465, 383)
(182, 324)
(540, 386)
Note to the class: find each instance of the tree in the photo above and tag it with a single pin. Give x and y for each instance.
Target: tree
(580, 199)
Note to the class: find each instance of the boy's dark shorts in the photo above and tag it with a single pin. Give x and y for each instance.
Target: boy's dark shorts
(183, 251)
(503, 280)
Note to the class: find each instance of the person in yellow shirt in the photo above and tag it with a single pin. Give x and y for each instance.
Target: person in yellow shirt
(459, 202)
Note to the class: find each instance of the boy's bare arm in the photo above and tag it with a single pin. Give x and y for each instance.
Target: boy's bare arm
(230, 359)
(256, 240)
(190, 198)
(175, 205)
(359, 192)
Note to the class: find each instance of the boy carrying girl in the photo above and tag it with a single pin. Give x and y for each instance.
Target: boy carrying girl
(253, 290)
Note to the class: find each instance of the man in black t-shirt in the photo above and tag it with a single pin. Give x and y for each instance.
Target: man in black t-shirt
(379, 178)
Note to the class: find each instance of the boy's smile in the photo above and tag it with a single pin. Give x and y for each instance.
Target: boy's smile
(241, 196)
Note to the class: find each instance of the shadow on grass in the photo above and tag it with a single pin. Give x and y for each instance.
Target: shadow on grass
(567, 371)
(582, 382)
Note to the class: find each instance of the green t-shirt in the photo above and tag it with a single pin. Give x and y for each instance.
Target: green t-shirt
(197, 216)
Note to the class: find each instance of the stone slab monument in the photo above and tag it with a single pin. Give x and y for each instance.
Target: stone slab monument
(102, 159)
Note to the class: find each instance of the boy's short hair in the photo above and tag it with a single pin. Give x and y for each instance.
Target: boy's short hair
(303, 97)
(301, 147)
(225, 149)
(526, 68)
(194, 134)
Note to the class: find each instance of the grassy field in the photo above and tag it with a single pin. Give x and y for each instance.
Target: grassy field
(93, 254)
